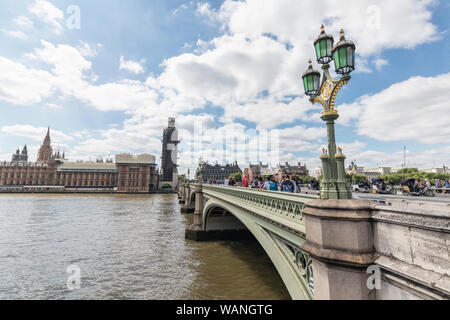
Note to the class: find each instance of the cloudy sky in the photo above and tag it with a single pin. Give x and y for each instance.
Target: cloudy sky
(105, 75)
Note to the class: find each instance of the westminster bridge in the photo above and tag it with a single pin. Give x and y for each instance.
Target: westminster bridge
(333, 249)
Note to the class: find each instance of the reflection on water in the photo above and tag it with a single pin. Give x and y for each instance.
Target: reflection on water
(127, 247)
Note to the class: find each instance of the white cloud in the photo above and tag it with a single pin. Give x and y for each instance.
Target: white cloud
(204, 9)
(48, 13)
(380, 63)
(125, 96)
(362, 66)
(184, 6)
(269, 113)
(416, 109)
(23, 21)
(132, 66)
(68, 75)
(298, 21)
(53, 106)
(35, 133)
(66, 60)
(87, 51)
(24, 86)
(16, 34)
(234, 70)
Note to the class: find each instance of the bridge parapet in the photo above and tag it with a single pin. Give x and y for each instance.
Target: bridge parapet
(412, 243)
(280, 208)
(361, 250)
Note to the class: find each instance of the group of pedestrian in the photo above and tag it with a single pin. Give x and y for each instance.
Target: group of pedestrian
(229, 182)
(439, 186)
(421, 184)
(270, 184)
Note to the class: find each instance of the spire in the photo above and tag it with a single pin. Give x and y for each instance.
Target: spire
(47, 138)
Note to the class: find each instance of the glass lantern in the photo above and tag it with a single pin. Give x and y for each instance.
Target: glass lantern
(323, 45)
(311, 80)
(344, 56)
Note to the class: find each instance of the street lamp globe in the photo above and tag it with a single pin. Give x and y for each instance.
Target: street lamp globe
(311, 80)
(344, 55)
(323, 45)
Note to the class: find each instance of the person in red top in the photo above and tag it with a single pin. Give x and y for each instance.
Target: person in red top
(245, 179)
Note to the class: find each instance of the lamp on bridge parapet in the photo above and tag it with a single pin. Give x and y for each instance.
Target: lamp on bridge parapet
(334, 183)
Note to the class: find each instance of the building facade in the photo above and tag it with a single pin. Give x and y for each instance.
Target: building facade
(435, 170)
(20, 157)
(259, 170)
(217, 172)
(129, 174)
(86, 175)
(317, 172)
(290, 170)
(136, 173)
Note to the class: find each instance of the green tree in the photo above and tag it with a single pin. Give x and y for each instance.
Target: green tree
(356, 178)
(409, 173)
(237, 177)
(408, 170)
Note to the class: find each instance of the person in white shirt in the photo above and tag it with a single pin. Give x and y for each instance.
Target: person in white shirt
(227, 182)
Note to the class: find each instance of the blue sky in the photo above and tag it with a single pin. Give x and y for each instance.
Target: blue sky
(108, 86)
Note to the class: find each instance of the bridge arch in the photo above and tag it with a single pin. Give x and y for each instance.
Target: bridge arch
(283, 249)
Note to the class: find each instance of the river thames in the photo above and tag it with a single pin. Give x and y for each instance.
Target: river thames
(126, 247)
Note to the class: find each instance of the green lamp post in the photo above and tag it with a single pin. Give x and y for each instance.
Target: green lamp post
(334, 184)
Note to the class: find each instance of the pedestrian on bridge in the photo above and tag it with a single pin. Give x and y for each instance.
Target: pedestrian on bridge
(298, 188)
(288, 185)
(438, 185)
(245, 178)
(270, 184)
(260, 183)
(447, 185)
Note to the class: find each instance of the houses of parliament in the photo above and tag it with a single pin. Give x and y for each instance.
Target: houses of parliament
(128, 174)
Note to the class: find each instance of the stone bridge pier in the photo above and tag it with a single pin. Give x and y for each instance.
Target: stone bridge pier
(180, 193)
(186, 199)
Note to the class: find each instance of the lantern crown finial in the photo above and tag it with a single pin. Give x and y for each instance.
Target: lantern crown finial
(322, 28)
(342, 34)
(310, 63)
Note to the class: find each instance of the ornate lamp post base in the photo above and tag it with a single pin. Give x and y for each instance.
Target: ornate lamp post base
(334, 183)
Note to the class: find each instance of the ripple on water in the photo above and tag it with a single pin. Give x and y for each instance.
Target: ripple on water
(127, 247)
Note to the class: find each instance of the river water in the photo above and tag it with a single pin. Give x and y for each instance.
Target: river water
(125, 247)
